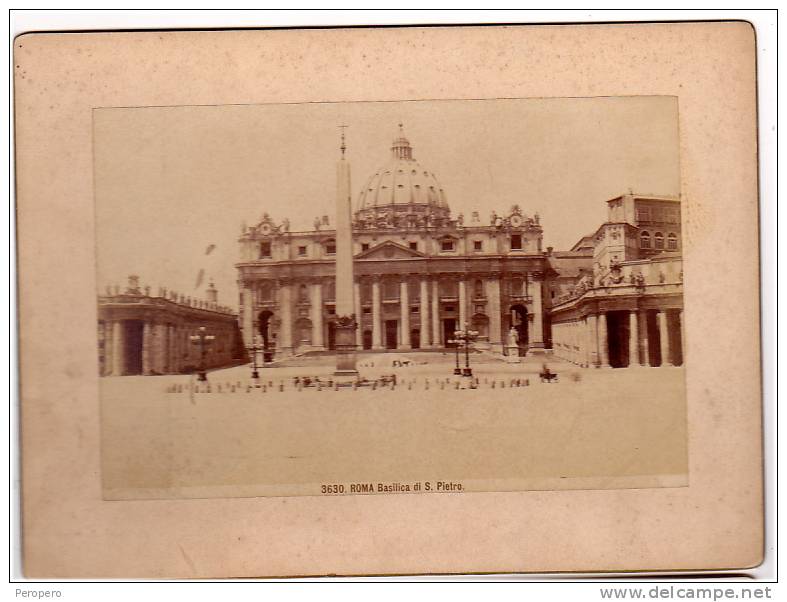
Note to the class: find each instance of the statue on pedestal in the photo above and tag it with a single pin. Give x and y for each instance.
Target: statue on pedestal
(513, 337)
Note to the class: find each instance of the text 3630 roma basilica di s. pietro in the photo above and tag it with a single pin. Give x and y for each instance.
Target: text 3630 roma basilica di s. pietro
(613, 299)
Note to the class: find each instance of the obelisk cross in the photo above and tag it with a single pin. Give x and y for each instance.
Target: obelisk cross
(343, 147)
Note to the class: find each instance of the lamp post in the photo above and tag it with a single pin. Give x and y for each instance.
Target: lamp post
(253, 349)
(464, 337)
(203, 340)
(456, 343)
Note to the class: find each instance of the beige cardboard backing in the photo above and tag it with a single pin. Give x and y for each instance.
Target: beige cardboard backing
(715, 522)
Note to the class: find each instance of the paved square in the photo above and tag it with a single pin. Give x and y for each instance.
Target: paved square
(594, 428)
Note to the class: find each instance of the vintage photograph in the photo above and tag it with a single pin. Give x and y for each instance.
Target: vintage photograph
(390, 297)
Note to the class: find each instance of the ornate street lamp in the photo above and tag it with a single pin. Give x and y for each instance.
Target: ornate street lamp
(456, 343)
(253, 349)
(464, 337)
(203, 340)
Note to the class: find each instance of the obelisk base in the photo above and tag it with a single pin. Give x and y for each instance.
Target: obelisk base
(345, 348)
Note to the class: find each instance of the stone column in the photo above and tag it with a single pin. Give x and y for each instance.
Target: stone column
(593, 337)
(377, 310)
(493, 307)
(248, 317)
(423, 312)
(284, 342)
(404, 313)
(118, 348)
(160, 356)
(644, 346)
(633, 339)
(463, 304)
(682, 339)
(603, 340)
(585, 334)
(574, 350)
(536, 343)
(147, 348)
(437, 335)
(171, 356)
(666, 359)
(107, 348)
(315, 301)
(358, 314)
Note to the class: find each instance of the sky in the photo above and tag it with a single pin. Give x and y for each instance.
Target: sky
(171, 181)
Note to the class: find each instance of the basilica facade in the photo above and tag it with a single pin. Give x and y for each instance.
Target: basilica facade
(421, 273)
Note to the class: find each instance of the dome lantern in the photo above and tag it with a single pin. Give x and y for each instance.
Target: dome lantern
(401, 149)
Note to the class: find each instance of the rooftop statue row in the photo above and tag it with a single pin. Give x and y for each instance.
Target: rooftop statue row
(133, 289)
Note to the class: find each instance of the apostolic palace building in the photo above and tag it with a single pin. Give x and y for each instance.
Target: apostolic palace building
(614, 299)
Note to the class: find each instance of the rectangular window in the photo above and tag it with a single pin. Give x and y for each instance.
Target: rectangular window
(265, 249)
(330, 248)
(367, 310)
(414, 246)
(643, 214)
(447, 245)
(302, 251)
(364, 246)
(478, 245)
(516, 242)
(414, 309)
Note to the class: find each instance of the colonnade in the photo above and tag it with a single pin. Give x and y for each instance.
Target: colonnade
(586, 341)
(164, 347)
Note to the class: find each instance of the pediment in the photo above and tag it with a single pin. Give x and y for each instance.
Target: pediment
(389, 250)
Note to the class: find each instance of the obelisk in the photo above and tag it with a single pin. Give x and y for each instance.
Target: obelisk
(345, 311)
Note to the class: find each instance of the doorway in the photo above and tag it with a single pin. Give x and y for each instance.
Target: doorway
(618, 338)
(415, 339)
(263, 325)
(391, 334)
(367, 339)
(449, 328)
(133, 346)
(519, 320)
(331, 335)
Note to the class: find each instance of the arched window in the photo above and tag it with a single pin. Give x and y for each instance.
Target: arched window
(672, 241)
(644, 240)
(478, 288)
(658, 238)
(265, 249)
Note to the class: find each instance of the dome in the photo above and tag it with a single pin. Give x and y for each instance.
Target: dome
(402, 184)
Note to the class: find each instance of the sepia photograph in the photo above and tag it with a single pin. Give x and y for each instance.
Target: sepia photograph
(390, 297)
(480, 301)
